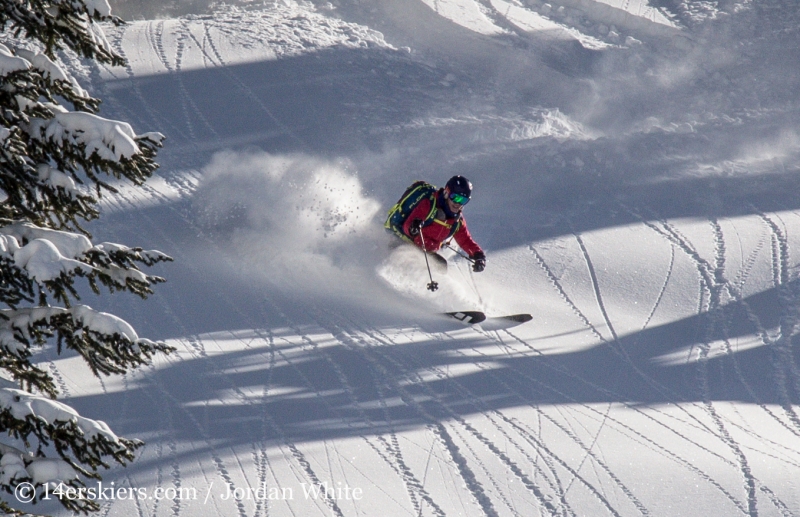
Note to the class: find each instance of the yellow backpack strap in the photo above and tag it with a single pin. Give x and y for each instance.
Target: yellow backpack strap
(454, 228)
(432, 214)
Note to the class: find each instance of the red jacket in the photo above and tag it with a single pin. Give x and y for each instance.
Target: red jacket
(437, 231)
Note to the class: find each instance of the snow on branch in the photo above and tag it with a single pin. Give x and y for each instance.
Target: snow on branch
(10, 63)
(22, 404)
(110, 140)
(48, 254)
(103, 323)
(116, 267)
(72, 245)
(19, 323)
(18, 466)
(51, 70)
(75, 439)
(57, 179)
(107, 343)
(118, 251)
(43, 261)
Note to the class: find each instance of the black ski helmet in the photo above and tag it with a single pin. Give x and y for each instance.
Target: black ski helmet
(459, 185)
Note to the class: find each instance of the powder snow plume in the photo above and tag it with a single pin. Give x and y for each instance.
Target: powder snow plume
(298, 221)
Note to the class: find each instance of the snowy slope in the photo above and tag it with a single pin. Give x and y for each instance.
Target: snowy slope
(636, 189)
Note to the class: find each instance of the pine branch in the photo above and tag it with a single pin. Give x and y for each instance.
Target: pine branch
(55, 163)
(60, 24)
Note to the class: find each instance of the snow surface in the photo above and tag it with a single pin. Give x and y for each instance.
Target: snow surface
(636, 190)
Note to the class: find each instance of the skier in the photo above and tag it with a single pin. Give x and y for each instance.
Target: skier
(434, 217)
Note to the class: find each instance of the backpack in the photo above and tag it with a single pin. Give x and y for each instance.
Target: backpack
(413, 195)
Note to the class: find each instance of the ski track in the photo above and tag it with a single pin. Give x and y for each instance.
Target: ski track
(156, 119)
(476, 458)
(717, 282)
(783, 345)
(588, 449)
(414, 487)
(352, 341)
(295, 452)
(713, 283)
(717, 308)
(240, 84)
(633, 433)
(396, 462)
(483, 411)
(188, 106)
(439, 430)
(667, 393)
(556, 486)
(657, 302)
(779, 505)
(194, 344)
(269, 422)
(588, 452)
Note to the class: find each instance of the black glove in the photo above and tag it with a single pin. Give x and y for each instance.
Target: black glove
(478, 261)
(413, 230)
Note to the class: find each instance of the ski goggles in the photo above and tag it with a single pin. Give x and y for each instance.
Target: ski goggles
(459, 199)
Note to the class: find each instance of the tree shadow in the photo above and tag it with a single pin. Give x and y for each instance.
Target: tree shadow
(398, 118)
(563, 201)
(323, 382)
(331, 102)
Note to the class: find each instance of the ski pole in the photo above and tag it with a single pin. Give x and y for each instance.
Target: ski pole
(432, 286)
(458, 252)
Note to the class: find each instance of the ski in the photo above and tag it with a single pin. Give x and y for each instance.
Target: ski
(474, 317)
(517, 318)
(468, 317)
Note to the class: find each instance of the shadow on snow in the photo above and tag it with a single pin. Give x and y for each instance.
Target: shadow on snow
(324, 382)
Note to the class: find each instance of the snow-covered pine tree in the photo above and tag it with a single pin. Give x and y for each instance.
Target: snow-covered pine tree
(57, 157)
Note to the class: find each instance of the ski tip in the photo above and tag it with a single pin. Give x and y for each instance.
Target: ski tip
(519, 318)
